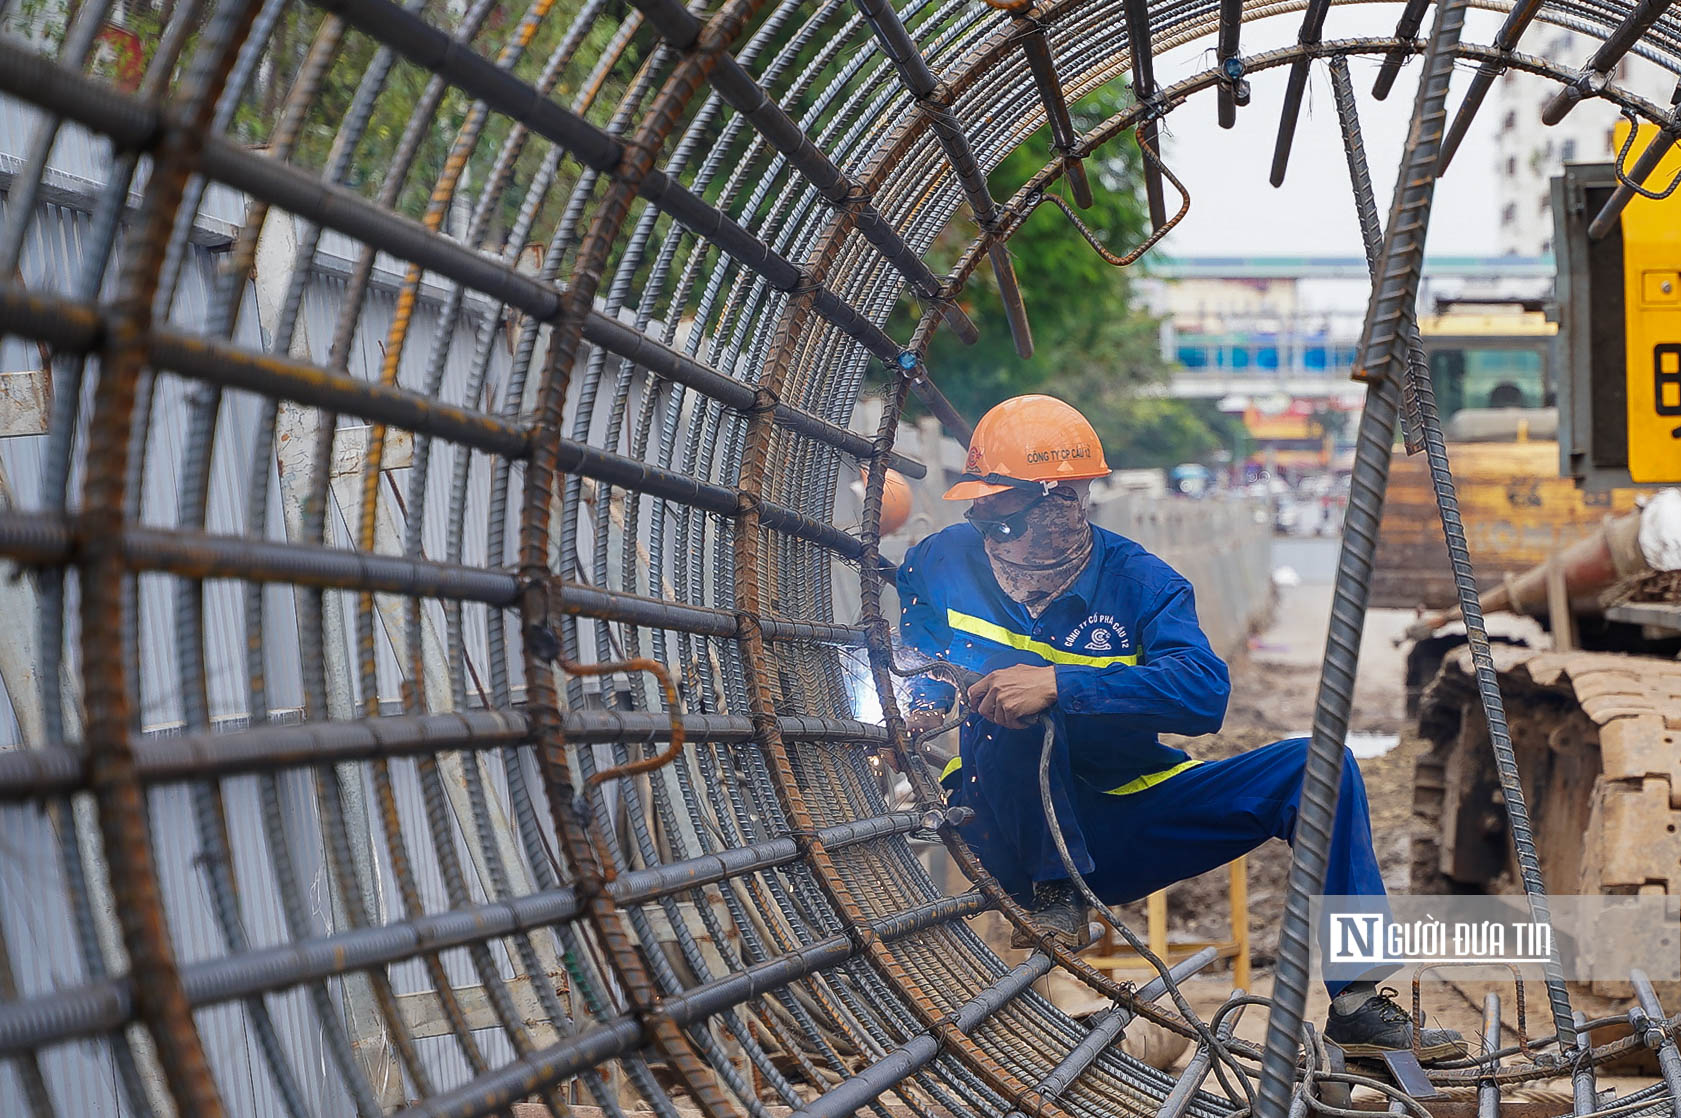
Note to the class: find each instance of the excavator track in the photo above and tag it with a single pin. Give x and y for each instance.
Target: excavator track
(1598, 739)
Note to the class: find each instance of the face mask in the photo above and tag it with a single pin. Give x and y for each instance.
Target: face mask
(1042, 553)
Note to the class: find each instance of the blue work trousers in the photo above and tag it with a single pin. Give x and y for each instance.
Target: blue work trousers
(1128, 846)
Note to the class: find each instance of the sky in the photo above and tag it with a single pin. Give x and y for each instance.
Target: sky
(1235, 211)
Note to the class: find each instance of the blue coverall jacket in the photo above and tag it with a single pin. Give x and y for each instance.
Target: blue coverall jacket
(1131, 663)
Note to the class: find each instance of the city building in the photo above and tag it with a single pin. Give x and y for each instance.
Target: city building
(1261, 327)
(1274, 339)
(1527, 152)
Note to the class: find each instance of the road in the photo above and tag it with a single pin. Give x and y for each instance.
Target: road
(1294, 645)
(1287, 655)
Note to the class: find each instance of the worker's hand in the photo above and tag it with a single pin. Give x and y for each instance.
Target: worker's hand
(1013, 697)
(921, 721)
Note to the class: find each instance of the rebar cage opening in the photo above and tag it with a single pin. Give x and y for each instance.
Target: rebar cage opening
(432, 697)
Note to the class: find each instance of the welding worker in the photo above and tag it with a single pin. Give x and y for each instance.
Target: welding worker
(1085, 627)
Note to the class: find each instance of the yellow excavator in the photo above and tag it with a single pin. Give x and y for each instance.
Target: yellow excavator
(1495, 370)
(1564, 430)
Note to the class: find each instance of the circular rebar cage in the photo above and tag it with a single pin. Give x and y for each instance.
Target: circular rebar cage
(424, 677)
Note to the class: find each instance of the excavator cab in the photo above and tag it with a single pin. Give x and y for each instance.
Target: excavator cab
(1492, 365)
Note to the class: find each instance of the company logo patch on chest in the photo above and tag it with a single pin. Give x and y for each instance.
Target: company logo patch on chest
(1099, 633)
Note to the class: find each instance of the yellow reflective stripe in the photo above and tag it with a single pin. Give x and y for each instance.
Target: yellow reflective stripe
(952, 766)
(981, 627)
(1150, 780)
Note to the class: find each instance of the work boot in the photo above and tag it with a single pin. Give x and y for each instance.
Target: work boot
(1369, 1027)
(1060, 912)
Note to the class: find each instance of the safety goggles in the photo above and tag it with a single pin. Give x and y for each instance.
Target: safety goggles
(1003, 529)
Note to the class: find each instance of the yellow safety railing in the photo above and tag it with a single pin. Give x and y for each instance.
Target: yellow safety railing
(1121, 957)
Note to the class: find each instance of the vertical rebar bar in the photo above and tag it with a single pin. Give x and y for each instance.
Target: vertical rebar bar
(1049, 84)
(1234, 90)
(1669, 1059)
(1144, 88)
(1313, 28)
(1488, 1089)
(1323, 774)
(1412, 18)
(1584, 1097)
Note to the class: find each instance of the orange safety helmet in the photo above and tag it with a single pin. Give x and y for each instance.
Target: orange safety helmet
(895, 500)
(1029, 442)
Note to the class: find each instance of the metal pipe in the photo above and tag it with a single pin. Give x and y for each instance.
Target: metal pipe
(1108, 1027)
(1584, 1095)
(632, 609)
(72, 327)
(1063, 140)
(1412, 18)
(933, 399)
(160, 759)
(1190, 1080)
(883, 1075)
(633, 473)
(1144, 88)
(1587, 566)
(1488, 1090)
(1592, 77)
(39, 539)
(1313, 28)
(1234, 91)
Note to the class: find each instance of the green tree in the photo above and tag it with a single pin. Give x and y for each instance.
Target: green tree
(1094, 343)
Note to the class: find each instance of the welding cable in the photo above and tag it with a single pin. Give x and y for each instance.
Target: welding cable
(1518, 1073)
(1393, 1092)
(959, 678)
(1205, 1034)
